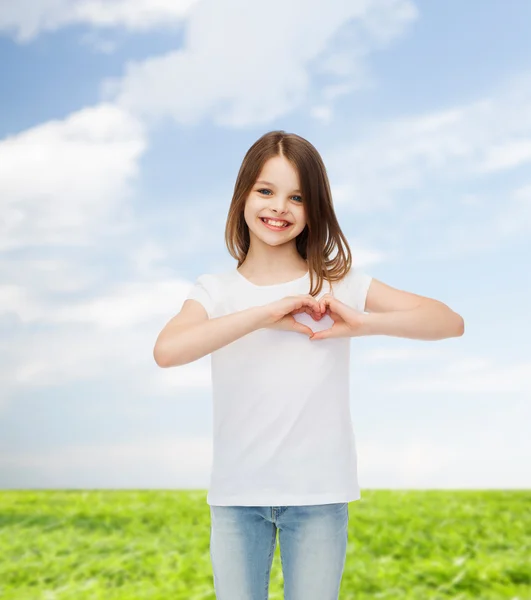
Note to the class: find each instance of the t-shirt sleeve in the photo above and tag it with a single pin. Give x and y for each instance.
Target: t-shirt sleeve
(358, 283)
(202, 292)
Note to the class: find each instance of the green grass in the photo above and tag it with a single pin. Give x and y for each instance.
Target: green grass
(425, 545)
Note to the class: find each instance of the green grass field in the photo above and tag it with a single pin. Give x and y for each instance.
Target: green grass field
(112, 545)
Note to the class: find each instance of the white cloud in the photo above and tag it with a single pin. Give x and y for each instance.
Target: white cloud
(118, 328)
(180, 462)
(478, 375)
(322, 113)
(254, 67)
(65, 184)
(429, 176)
(458, 143)
(127, 305)
(99, 43)
(58, 274)
(391, 354)
(510, 220)
(469, 364)
(481, 460)
(28, 18)
(62, 182)
(506, 155)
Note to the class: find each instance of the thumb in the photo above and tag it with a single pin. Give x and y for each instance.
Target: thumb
(322, 335)
(300, 328)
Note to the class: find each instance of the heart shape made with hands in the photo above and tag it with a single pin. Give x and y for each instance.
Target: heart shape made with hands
(325, 321)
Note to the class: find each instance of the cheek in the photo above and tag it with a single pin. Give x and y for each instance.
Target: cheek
(250, 214)
(301, 220)
(252, 207)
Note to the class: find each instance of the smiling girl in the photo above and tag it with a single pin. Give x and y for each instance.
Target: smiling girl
(278, 327)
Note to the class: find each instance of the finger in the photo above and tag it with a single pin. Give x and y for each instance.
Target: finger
(312, 302)
(304, 307)
(325, 300)
(330, 332)
(322, 335)
(303, 329)
(300, 328)
(333, 305)
(314, 312)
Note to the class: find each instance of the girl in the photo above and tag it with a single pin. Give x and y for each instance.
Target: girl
(278, 327)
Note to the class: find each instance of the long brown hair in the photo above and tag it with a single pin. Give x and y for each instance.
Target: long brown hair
(322, 234)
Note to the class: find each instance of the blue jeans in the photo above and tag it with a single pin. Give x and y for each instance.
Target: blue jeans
(313, 546)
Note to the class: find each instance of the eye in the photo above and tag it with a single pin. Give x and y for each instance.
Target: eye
(296, 196)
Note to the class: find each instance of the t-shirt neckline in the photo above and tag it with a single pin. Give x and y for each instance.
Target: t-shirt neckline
(272, 285)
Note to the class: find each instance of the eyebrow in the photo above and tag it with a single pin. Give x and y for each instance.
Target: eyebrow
(273, 185)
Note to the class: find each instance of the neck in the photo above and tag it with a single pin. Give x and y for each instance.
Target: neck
(275, 262)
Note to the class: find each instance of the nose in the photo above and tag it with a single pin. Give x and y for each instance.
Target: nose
(279, 207)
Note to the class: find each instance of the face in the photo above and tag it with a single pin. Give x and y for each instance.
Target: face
(280, 198)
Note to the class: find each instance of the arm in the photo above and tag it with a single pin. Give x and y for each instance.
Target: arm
(391, 312)
(404, 314)
(190, 335)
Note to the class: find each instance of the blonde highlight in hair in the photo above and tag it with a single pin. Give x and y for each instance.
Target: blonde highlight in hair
(322, 234)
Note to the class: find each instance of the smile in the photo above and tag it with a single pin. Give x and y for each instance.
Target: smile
(278, 224)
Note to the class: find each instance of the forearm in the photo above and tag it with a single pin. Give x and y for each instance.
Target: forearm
(186, 345)
(434, 321)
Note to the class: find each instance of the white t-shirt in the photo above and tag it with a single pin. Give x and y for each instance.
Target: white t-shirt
(282, 428)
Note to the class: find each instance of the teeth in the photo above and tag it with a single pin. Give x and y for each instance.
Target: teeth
(276, 223)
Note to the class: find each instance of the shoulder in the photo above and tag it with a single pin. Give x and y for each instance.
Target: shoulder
(352, 289)
(209, 289)
(355, 276)
(215, 282)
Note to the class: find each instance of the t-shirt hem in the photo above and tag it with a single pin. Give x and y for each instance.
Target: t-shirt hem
(265, 499)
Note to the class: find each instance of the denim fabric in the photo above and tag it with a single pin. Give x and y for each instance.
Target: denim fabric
(313, 545)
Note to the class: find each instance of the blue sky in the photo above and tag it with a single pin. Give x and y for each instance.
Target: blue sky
(122, 128)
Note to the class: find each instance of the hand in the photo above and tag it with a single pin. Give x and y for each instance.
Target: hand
(347, 321)
(280, 313)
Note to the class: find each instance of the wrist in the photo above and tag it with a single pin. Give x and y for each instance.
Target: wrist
(261, 316)
(366, 324)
